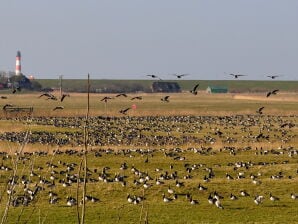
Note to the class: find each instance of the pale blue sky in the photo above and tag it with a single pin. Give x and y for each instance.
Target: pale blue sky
(128, 39)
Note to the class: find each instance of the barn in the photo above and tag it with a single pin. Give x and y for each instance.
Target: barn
(216, 89)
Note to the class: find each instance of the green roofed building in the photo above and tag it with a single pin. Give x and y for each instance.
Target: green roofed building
(216, 89)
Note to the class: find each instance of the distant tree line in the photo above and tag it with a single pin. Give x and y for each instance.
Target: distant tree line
(106, 87)
(121, 87)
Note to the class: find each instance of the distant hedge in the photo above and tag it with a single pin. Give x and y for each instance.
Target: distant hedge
(128, 86)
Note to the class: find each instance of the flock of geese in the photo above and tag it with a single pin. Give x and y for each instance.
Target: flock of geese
(236, 76)
(174, 182)
(166, 98)
(160, 131)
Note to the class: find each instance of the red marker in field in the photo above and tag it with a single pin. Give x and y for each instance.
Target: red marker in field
(134, 106)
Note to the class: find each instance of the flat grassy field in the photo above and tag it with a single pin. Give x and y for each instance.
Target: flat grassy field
(218, 142)
(179, 104)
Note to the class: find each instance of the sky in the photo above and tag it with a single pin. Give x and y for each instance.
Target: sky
(117, 39)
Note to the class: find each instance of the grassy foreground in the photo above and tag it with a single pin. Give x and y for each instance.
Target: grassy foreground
(113, 205)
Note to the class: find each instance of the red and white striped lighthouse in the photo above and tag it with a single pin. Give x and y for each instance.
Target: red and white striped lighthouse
(18, 63)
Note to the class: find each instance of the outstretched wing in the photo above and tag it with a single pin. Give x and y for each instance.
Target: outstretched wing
(195, 87)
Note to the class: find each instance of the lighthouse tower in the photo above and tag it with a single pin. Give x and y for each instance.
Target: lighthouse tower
(18, 63)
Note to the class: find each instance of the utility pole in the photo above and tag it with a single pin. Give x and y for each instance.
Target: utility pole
(60, 85)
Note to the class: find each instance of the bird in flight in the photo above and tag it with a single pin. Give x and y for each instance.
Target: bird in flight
(272, 76)
(58, 108)
(63, 96)
(260, 110)
(236, 76)
(50, 96)
(194, 90)
(180, 76)
(14, 90)
(123, 111)
(272, 92)
(106, 98)
(45, 94)
(154, 77)
(165, 99)
(136, 98)
(121, 94)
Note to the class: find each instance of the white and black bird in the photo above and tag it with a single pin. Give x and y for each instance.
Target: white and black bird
(170, 190)
(202, 188)
(166, 199)
(129, 198)
(233, 197)
(54, 200)
(244, 193)
(211, 200)
(192, 201)
(273, 198)
(218, 204)
(258, 199)
(294, 196)
(71, 201)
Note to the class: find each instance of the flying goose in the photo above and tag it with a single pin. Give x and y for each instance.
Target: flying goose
(58, 108)
(123, 111)
(180, 76)
(63, 96)
(272, 76)
(236, 76)
(272, 92)
(260, 110)
(121, 94)
(136, 98)
(106, 98)
(165, 99)
(194, 90)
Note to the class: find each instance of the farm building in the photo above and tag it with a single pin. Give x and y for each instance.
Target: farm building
(216, 89)
(166, 87)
